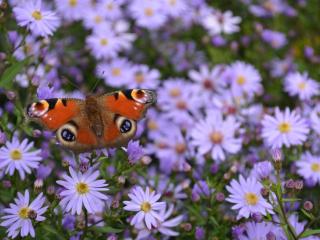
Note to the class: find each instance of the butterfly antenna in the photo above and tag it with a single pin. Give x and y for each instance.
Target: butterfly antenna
(72, 83)
(95, 85)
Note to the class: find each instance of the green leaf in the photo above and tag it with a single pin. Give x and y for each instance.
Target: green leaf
(310, 232)
(6, 80)
(291, 199)
(308, 215)
(107, 229)
(53, 231)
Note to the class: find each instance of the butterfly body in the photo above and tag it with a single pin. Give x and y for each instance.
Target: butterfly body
(108, 120)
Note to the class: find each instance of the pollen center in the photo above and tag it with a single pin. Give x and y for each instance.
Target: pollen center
(216, 137)
(82, 188)
(181, 105)
(98, 19)
(116, 72)
(145, 206)
(173, 2)
(104, 41)
(152, 125)
(15, 154)
(241, 80)
(302, 85)
(139, 77)
(73, 3)
(315, 167)
(24, 212)
(284, 127)
(175, 92)
(110, 6)
(37, 15)
(180, 148)
(251, 198)
(148, 12)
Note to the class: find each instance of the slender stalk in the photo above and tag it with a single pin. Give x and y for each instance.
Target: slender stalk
(85, 224)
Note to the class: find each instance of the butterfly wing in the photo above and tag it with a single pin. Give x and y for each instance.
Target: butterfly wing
(66, 117)
(122, 110)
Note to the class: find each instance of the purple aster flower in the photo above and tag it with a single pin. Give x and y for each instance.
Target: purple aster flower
(199, 233)
(147, 205)
(254, 230)
(309, 167)
(148, 14)
(3, 137)
(19, 156)
(82, 190)
(73, 9)
(245, 80)
(44, 92)
(216, 135)
(175, 8)
(246, 196)
(43, 172)
(21, 214)
(116, 73)
(135, 151)
(144, 77)
(199, 189)
(218, 22)
(275, 39)
(32, 15)
(111, 8)
(315, 119)
(163, 227)
(297, 84)
(299, 226)
(68, 222)
(280, 68)
(285, 128)
(262, 170)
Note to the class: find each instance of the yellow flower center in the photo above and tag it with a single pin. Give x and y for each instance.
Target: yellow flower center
(216, 137)
(116, 72)
(152, 125)
(24, 212)
(180, 148)
(104, 41)
(98, 19)
(241, 80)
(148, 12)
(146, 206)
(181, 105)
(172, 2)
(16, 154)
(251, 198)
(315, 167)
(139, 78)
(82, 188)
(73, 3)
(284, 127)
(110, 6)
(175, 92)
(302, 85)
(37, 15)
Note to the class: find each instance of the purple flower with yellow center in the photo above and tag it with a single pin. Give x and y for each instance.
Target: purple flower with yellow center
(135, 151)
(19, 156)
(111, 8)
(22, 213)
(175, 8)
(144, 77)
(82, 190)
(32, 15)
(73, 9)
(245, 80)
(285, 128)
(297, 84)
(148, 14)
(246, 196)
(216, 136)
(261, 230)
(309, 167)
(147, 205)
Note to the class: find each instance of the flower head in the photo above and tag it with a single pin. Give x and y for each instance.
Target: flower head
(309, 167)
(20, 215)
(246, 197)
(285, 128)
(146, 204)
(18, 156)
(82, 190)
(32, 15)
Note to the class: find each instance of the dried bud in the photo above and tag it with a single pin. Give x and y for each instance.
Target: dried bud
(298, 185)
(146, 160)
(51, 190)
(220, 197)
(36, 133)
(186, 227)
(115, 204)
(83, 167)
(32, 214)
(277, 158)
(226, 176)
(121, 179)
(65, 163)
(308, 205)
(290, 184)
(265, 192)
(38, 184)
(11, 95)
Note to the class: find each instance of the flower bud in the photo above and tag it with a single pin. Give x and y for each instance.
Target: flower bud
(3, 138)
(6, 184)
(186, 227)
(271, 236)
(11, 95)
(36, 133)
(298, 185)
(121, 179)
(308, 205)
(146, 160)
(51, 190)
(277, 158)
(83, 167)
(199, 233)
(289, 184)
(220, 197)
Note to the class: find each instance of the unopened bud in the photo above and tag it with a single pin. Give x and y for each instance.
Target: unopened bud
(11, 95)
(36, 133)
(220, 197)
(226, 176)
(308, 205)
(265, 192)
(83, 167)
(3, 138)
(6, 184)
(38, 184)
(298, 185)
(186, 227)
(51, 190)
(115, 204)
(290, 184)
